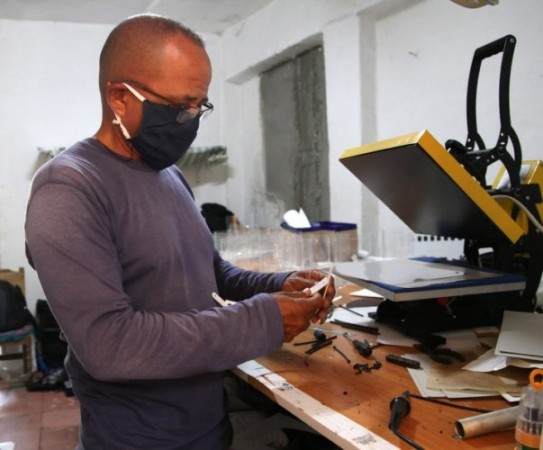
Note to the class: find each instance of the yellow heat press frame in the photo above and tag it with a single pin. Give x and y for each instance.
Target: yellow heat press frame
(429, 190)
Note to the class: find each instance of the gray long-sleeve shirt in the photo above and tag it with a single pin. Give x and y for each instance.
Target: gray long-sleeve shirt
(128, 266)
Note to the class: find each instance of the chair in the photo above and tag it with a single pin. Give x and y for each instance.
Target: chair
(21, 338)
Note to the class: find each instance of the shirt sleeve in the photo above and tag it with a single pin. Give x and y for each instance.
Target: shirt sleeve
(73, 250)
(236, 283)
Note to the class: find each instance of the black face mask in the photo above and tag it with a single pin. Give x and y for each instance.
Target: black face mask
(161, 140)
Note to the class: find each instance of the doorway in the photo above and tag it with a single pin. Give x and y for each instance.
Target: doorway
(293, 106)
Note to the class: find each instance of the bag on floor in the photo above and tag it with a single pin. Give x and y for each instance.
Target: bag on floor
(13, 311)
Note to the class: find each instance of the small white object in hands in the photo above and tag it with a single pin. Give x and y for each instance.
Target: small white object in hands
(221, 301)
(318, 286)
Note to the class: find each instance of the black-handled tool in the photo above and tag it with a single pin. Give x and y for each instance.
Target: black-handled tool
(399, 409)
(319, 337)
(402, 361)
(318, 345)
(321, 341)
(364, 348)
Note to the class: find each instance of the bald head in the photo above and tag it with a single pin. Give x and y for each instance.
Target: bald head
(161, 61)
(136, 48)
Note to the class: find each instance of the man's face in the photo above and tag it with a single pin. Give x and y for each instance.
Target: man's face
(181, 78)
(185, 74)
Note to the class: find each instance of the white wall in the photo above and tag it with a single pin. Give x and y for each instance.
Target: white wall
(48, 87)
(50, 99)
(392, 66)
(424, 56)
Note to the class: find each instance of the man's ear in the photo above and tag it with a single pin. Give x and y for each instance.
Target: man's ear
(116, 95)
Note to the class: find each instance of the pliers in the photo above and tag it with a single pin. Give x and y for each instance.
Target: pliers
(440, 355)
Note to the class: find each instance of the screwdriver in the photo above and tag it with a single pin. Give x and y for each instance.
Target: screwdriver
(364, 348)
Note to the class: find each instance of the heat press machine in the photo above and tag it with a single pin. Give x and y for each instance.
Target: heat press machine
(442, 191)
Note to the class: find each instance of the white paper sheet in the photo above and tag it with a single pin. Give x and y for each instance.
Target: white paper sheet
(521, 335)
(489, 362)
(420, 377)
(366, 293)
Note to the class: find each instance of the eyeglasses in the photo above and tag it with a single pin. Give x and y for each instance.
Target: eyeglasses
(185, 113)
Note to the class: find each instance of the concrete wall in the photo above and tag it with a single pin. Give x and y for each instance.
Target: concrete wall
(48, 87)
(391, 66)
(49, 99)
(424, 56)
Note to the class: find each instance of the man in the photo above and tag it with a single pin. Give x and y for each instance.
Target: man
(127, 262)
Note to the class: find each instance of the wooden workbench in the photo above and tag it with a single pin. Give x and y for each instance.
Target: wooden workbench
(352, 409)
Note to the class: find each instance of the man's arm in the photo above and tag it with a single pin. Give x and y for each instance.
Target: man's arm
(235, 283)
(74, 253)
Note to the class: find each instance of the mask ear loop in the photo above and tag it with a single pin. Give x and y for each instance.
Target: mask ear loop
(117, 121)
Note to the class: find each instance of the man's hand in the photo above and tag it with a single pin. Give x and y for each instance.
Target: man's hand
(297, 310)
(299, 281)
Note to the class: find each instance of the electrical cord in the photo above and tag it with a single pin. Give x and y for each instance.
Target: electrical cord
(531, 217)
(452, 405)
(399, 408)
(409, 441)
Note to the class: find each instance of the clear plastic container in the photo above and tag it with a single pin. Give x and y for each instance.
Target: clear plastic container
(528, 431)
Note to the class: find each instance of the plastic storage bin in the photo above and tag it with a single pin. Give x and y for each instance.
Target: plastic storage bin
(339, 237)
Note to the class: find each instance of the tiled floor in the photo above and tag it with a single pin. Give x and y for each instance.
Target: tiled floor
(45, 420)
